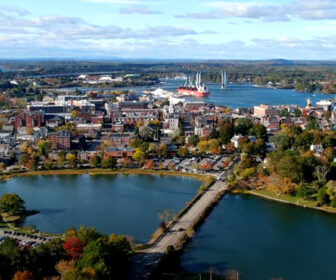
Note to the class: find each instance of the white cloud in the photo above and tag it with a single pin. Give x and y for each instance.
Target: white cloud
(14, 10)
(120, 2)
(303, 9)
(142, 10)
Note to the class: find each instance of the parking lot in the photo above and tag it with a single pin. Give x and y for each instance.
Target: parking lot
(195, 164)
(23, 240)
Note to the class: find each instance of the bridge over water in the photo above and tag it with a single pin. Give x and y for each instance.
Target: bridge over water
(144, 263)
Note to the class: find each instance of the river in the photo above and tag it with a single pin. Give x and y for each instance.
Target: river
(122, 204)
(264, 240)
(237, 95)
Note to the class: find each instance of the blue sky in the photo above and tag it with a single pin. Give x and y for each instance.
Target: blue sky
(174, 29)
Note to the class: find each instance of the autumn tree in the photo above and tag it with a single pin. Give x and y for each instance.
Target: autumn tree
(44, 147)
(23, 275)
(139, 155)
(163, 150)
(72, 160)
(75, 114)
(109, 162)
(182, 151)
(74, 247)
(95, 161)
(150, 164)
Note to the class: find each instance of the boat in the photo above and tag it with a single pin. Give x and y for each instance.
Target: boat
(197, 89)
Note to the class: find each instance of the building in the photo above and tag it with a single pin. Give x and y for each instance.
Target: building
(89, 127)
(60, 140)
(120, 152)
(119, 139)
(30, 119)
(265, 110)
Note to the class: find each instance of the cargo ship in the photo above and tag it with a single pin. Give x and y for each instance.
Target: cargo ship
(197, 89)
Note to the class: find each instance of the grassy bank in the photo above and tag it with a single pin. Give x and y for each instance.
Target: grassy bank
(287, 199)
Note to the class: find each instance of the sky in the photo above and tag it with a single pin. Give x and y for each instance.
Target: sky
(168, 29)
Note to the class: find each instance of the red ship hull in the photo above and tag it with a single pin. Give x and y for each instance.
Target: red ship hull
(192, 91)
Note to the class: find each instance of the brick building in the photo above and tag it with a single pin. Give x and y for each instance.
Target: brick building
(30, 119)
(60, 140)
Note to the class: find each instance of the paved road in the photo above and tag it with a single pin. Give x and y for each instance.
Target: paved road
(145, 263)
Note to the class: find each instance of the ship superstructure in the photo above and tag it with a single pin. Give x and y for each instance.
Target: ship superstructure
(197, 88)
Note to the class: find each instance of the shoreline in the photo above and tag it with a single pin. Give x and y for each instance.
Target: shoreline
(283, 201)
(204, 178)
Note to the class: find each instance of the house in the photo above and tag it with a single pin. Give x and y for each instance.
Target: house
(318, 149)
(235, 140)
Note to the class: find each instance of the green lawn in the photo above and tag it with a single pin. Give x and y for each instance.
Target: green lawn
(284, 197)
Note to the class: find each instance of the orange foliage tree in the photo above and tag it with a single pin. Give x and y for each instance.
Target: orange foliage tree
(23, 275)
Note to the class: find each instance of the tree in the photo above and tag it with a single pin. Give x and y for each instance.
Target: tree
(24, 147)
(152, 148)
(203, 146)
(259, 131)
(193, 139)
(75, 114)
(105, 258)
(162, 150)
(12, 204)
(95, 161)
(150, 164)
(321, 173)
(166, 215)
(214, 134)
(85, 234)
(43, 258)
(139, 155)
(61, 157)
(331, 190)
(146, 133)
(226, 131)
(10, 258)
(65, 266)
(297, 113)
(121, 243)
(72, 160)
(322, 197)
(181, 127)
(242, 126)
(74, 247)
(23, 275)
(182, 151)
(284, 113)
(109, 162)
(44, 147)
(30, 130)
(214, 147)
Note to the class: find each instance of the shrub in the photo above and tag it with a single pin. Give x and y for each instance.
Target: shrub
(248, 172)
(305, 192)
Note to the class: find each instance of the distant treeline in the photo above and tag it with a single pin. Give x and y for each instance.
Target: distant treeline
(306, 76)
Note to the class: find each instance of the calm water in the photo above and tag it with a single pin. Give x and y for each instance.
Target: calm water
(263, 240)
(239, 95)
(246, 95)
(122, 204)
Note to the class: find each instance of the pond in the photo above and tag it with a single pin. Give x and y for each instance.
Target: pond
(264, 240)
(122, 204)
